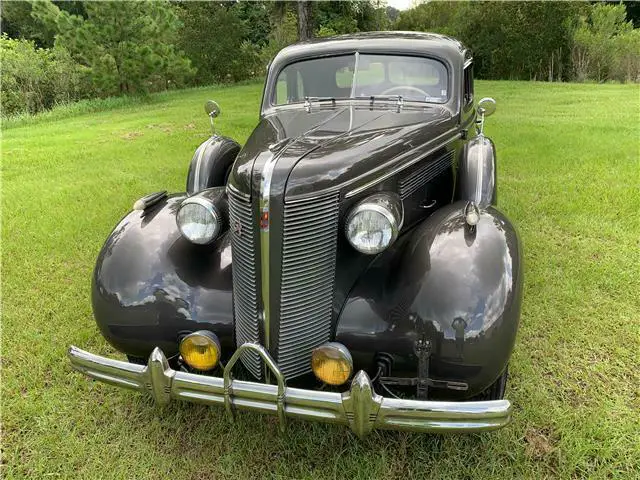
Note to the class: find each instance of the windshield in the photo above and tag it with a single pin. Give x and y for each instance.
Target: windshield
(352, 76)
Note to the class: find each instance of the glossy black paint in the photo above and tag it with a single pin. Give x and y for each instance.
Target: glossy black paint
(334, 147)
(460, 288)
(150, 285)
(211, 163)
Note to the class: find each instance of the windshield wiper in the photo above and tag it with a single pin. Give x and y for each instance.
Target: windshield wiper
(308, 100)
(398, 98)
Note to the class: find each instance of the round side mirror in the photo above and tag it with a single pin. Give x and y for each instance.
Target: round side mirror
(486, 106)
(212, 108)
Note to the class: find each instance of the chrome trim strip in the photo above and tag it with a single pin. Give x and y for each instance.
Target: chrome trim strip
(373, 204)
(265, 192)
(206, 145)
(360, 407)
(439, 140)
(238, 192)
(211, 210)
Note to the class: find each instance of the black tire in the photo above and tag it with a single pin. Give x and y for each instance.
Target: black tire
(211, 164)
(496, 390)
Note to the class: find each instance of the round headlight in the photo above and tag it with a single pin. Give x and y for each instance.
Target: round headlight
(200, 350)
(199, 220)
(332, 363)
(374, 223)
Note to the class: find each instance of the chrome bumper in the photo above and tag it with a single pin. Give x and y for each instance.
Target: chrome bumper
(361, 408)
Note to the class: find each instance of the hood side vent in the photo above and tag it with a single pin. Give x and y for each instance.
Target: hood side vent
(424, 174)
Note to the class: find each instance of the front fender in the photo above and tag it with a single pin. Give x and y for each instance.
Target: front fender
(459, 289)
(150, 285)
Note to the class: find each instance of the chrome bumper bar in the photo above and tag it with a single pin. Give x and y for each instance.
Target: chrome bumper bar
(360, 408)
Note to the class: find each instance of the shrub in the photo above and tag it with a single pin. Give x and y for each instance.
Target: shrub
(35, 79)
(606, 47)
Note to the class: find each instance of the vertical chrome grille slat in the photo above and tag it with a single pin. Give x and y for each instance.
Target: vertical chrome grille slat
(245, 280)
(302, 329)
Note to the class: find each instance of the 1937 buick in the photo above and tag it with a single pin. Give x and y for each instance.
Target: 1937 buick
(347, 264)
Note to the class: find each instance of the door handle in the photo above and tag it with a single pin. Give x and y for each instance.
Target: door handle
(428, 204)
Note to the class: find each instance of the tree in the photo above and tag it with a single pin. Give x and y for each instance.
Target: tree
(334, 18)
(129, 46)
(216, 40)
(516, 40)
(18, 21)
(305, 21)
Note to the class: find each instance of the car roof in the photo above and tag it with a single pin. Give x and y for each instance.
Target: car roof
(380, 42)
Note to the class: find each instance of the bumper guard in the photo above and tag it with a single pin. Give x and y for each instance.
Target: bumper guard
(360, 408)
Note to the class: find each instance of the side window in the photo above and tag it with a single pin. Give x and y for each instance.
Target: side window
(281, 90)
(468, 85)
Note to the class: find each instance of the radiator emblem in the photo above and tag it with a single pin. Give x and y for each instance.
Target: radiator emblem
(264, 220)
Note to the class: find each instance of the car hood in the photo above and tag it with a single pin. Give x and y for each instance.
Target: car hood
(331, 147)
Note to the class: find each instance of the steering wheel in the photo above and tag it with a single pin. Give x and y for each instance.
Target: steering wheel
(405, 87)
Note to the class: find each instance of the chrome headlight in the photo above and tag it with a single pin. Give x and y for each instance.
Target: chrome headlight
(200, 218)
(373, 224)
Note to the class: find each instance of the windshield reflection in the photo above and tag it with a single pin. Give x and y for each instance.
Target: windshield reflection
(362, 77)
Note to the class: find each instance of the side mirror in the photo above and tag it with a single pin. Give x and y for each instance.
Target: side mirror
(486, 106)
(213, 110)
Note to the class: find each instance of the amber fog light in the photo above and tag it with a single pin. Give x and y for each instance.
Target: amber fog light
(332, 363)
(200, 350)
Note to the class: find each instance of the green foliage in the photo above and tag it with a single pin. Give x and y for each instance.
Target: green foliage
(284, 32)
(517, 40)
(606, 47)
(17, 22)
(348, 17)
(129, 46)
(218, 41)
(35, 79)
(537, 40)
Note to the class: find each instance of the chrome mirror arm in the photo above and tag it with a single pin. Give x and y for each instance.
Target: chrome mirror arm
(480, 123)
(213, 127)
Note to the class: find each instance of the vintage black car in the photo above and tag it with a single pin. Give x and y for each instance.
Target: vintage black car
(350, 255)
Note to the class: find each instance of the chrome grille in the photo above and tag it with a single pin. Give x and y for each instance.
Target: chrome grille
(245, 287)
(308, 271)
(423, 175)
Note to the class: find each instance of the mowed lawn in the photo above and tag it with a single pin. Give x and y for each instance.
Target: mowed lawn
(569, 178)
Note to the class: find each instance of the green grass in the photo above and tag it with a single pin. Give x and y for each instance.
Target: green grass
(569, 179)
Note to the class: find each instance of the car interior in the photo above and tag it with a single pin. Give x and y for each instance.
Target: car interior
(413, 78)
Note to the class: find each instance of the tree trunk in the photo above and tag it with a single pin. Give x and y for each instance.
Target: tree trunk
(305, 28)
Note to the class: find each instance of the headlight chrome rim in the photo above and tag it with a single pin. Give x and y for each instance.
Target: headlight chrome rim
(211, 210)
(373, 203)
(213, 341)
(335, 352)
